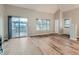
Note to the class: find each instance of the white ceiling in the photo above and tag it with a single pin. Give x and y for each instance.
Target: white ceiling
(48, 8)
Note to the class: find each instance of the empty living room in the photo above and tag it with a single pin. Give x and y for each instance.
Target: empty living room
(39, 29)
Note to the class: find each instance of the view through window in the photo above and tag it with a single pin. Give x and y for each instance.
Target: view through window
(67, 23)
(43, 25)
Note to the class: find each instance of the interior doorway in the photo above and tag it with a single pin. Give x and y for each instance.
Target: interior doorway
(57, 26)
(17, 27)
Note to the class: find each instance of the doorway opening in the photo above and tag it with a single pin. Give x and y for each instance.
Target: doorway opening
(57, 26)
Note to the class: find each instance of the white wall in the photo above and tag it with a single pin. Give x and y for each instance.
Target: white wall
(1, 20)
(31, 15)
(59, 16)
(74, 16)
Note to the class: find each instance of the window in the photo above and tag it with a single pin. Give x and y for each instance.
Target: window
(43, 24)
(67, 23)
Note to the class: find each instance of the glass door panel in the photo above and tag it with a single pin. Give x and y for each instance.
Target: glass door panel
(23, 27)
(15, 27)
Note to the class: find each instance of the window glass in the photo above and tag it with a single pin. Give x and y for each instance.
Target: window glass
(43, 24)
(67, 23)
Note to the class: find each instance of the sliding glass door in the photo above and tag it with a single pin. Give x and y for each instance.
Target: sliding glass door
(18, 27)
(23, 27)
(15, 27)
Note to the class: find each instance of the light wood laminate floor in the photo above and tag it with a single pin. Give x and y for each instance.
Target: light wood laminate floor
(45, 45)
